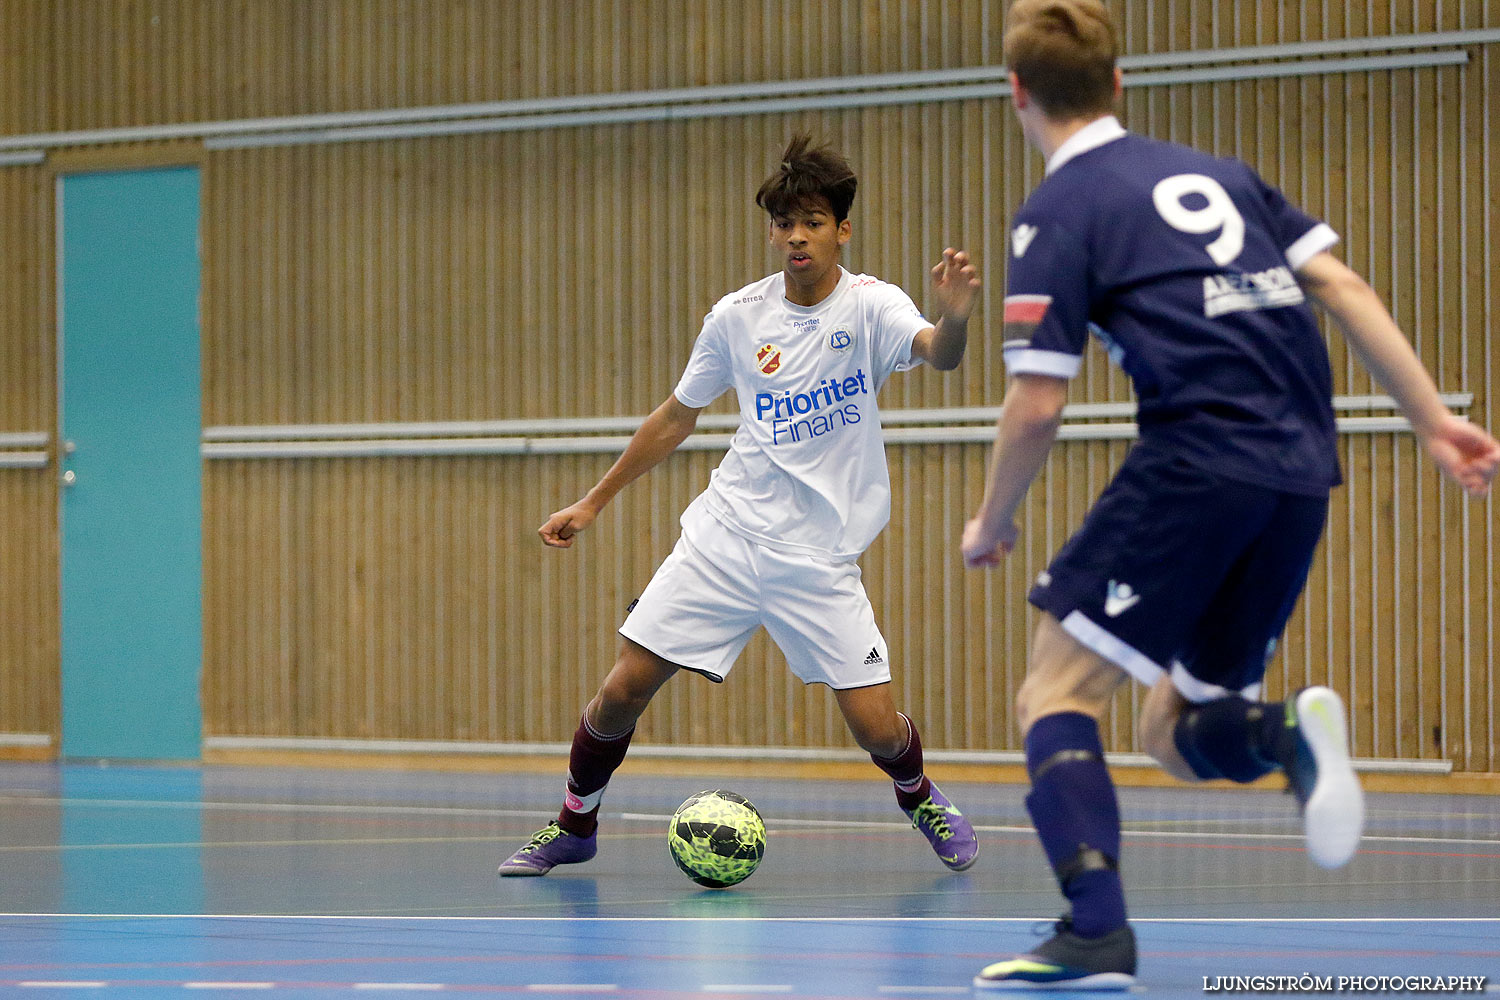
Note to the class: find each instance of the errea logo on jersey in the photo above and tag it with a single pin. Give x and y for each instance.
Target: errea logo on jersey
(768, 359)
(1020, 239)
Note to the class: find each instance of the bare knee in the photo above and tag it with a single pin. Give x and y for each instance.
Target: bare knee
(1064, 676)
(873, 720)
(1030, 703)
(886, 738)
(1157, 740)
(628, 688)
(1051, 692)
(1157, 729)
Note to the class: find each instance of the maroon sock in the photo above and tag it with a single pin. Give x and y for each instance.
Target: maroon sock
(593, 759)
(905, 769)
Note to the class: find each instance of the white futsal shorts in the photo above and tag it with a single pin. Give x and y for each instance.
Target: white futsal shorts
(710, 594)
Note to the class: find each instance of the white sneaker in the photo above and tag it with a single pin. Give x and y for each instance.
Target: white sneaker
(1323, 779)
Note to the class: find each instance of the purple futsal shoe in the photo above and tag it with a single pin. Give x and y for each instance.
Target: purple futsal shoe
(951, 836)
(550, 847)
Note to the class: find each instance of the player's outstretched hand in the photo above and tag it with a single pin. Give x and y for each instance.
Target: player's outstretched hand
(984, 546)
(1466, 452)
(955, 282)
(560, 528)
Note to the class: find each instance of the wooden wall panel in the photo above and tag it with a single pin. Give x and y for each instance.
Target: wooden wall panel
(563, 273)
(28, 496)
(692, 246)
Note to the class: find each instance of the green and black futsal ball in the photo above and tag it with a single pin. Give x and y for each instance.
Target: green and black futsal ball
(717, 838)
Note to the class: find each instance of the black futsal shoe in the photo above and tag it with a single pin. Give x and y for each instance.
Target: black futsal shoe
(1066, 961)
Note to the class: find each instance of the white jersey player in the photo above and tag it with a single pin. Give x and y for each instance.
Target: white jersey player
(802, 492)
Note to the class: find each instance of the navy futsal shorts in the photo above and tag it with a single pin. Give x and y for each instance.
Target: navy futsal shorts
(1176, 570)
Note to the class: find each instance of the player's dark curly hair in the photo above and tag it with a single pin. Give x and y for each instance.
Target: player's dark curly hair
(807, 173)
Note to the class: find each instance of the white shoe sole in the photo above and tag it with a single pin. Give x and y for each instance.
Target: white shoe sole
(1334, 816)
(1100, 981)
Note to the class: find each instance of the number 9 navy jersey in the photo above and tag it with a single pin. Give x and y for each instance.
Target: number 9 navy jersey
(1183, 265)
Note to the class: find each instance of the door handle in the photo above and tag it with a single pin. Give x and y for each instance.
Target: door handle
(69, 478)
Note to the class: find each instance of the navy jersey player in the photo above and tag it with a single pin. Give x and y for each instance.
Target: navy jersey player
(802, 492)
(1196, 275)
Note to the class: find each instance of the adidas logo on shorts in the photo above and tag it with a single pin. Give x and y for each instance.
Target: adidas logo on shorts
(874, 657)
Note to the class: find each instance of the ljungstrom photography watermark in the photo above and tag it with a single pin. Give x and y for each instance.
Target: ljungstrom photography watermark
(1344, 984)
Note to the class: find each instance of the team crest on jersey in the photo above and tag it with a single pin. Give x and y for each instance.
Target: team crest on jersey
(840, 339)
(768, 359)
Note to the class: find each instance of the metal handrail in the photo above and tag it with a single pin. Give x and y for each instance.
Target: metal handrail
(1145, 69)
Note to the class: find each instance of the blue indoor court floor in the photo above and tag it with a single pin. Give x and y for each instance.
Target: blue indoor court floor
(152, 881)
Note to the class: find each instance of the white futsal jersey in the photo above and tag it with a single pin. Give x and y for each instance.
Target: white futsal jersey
(806, 471)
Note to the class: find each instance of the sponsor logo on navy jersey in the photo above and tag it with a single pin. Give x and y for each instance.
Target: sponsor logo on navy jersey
(1268, 289)
(827, 406)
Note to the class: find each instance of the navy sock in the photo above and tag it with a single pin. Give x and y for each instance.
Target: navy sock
(1077, 817)
(1233, 738)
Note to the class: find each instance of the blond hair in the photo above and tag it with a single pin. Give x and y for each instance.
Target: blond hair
(1063, 51)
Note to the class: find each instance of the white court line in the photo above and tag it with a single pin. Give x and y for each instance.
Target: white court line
(199, 985)
(772, 824)
(218, 845)
(42, 984)
(1040, 918)
(1295, 838)
(280, 807)
(1366, 839)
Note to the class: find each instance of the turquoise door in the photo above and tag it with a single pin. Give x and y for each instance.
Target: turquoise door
(131, 504)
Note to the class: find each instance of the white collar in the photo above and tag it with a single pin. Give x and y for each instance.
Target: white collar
(1093, 135)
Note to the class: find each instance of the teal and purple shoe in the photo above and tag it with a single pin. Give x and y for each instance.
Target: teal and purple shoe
(951, 836)
(549, 847)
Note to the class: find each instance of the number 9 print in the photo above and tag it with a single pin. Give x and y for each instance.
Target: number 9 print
(1219, 213)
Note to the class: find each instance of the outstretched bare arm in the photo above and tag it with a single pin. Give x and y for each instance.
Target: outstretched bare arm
(1027, 427)
(666, 428)
(955, 286)
(1465, 452)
